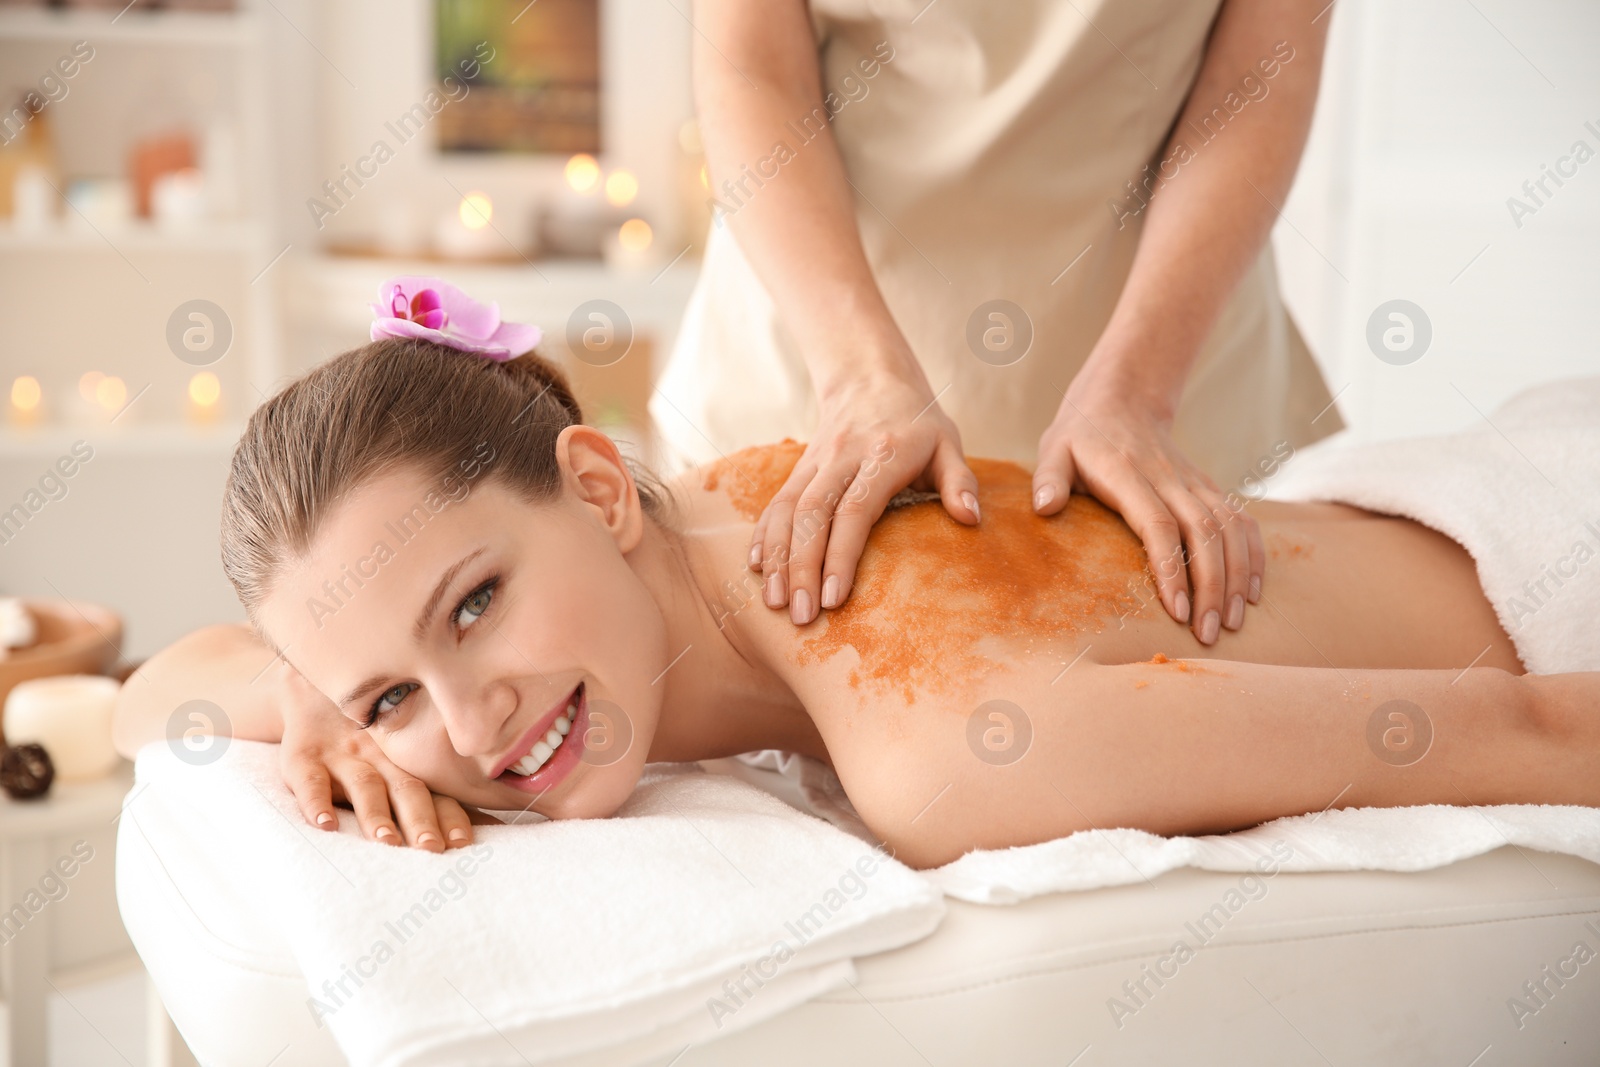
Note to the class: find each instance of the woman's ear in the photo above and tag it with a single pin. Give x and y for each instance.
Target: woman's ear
(598, 475)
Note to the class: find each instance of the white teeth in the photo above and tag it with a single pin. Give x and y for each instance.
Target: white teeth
(546, 746)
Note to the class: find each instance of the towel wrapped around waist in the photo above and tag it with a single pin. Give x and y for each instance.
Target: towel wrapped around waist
(1519, 490)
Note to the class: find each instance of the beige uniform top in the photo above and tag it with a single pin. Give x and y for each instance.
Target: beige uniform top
(991, 146)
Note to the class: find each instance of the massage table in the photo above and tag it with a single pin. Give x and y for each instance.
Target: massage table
(1357, 967)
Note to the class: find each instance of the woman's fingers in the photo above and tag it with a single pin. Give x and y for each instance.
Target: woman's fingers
(1128, 492)
(368, 794)
(1228, 545)
(813, 532)
(413, 805)
(775, 538)
(860, 506)
(309, 781)
(1258, 555)
(454, 822)
(958, 486)
(1053, 478)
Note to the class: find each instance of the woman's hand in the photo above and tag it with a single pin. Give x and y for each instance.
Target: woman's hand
(1116, 443)
(325, 757)
(876, 434)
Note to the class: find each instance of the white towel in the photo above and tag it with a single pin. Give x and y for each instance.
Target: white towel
(1521, 491)
(704, 906)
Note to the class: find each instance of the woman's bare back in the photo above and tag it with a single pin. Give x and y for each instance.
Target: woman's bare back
(951, 626)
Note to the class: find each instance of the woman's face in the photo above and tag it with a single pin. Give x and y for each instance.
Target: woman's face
(464, 622)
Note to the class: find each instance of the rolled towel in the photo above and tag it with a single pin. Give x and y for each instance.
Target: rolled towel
(704, 906)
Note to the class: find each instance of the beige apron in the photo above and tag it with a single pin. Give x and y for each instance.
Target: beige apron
(987, 154)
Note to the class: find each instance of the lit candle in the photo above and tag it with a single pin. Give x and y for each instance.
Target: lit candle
(621, 188)
(628, 247)
(204, 393)
(468, 234)
(70, 715)
(25, 396)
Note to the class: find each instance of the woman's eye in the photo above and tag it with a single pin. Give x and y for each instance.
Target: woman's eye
(388, 700)
(472, 607)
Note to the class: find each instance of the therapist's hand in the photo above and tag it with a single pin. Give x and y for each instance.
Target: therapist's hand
(876, 434)
(1108, 440)
(325, 757)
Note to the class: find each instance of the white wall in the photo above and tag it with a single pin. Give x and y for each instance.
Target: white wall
(1432, 114)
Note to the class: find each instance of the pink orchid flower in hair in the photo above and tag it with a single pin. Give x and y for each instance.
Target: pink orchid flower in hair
(435, 310)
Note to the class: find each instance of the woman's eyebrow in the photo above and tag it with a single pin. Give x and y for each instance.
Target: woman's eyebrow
(420, 627)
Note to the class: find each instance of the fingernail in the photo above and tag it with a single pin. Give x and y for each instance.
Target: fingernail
(1045, 494)
(755, 557)
(1255, 588)
(971, 502)
(325, 818)
(427, 837)
(774, 593)
(1182, 603)
(384, 833)
(1236, 612)
(1208, 628)
(800, 607)
(830, 591)
(458, 835)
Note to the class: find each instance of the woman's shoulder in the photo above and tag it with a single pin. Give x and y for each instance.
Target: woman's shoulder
(747, 479)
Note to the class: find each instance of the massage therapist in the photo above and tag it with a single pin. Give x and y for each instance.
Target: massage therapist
(1041, 221)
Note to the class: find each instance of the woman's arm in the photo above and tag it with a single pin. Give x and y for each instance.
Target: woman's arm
(1203, 228)
(259, 696)
(755, 71)
(220, 664)
(1208, 746)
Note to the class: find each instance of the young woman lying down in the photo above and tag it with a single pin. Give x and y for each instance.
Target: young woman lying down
(462, 595)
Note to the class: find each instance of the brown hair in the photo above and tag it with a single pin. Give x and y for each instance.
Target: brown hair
(390, 404)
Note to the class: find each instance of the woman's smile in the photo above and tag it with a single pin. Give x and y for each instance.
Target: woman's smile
(546, 754)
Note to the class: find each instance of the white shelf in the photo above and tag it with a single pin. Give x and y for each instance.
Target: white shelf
(74, 234)
(208, 28)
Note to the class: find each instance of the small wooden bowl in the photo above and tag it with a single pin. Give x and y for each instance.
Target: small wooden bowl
(74, 638)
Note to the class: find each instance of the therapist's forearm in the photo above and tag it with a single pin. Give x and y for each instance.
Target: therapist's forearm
(1206, 224)
(755, 72)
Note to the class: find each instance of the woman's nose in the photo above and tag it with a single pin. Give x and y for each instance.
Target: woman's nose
(474, 715)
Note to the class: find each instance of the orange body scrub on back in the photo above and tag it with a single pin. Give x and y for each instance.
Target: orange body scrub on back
(935, 601)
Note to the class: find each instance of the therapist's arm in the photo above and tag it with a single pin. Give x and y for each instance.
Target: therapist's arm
(880, 427)
(1202, 230)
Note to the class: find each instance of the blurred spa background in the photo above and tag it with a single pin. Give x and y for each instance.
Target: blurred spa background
(198, 199)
